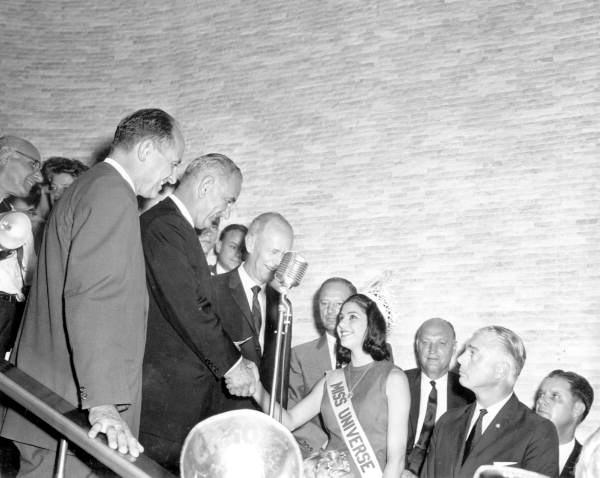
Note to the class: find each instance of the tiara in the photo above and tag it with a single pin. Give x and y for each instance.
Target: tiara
(379, 292)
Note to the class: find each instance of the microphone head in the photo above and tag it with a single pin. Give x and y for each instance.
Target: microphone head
(15, 228)
(291, 269)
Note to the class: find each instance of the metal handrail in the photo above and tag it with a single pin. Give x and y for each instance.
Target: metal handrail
(71, 423)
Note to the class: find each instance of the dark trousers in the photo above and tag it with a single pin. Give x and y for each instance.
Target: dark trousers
(10, 318)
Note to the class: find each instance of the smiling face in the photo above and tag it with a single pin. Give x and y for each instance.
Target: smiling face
(158, 162)
(229, 250)
(266, 249)
(20, 170)
(435, 347)
(219, 193)
(352, 326)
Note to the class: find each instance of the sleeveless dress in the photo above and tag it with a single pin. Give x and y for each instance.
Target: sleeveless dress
(370, 404)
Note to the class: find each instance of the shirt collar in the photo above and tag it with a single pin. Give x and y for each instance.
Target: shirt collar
(184, 210)
(493, 410)
(121, 170)
(247, 281)
(440, 383)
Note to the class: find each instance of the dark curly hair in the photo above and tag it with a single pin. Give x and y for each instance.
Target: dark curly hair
(374, 342)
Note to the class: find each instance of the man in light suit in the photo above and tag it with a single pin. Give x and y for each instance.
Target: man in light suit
(435, 345)
(247, 302)
(309, 361)
(187, 350)
(84, 327)
(565, 399)
(497, 428)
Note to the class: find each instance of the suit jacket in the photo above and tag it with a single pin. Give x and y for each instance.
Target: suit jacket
(187, 349)
(516, 435)
(232, 305)
(457, 396)
(568, 470)
(84, 328)
(308, 363)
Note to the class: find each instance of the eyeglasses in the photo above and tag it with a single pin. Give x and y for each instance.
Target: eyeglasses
(35, 163)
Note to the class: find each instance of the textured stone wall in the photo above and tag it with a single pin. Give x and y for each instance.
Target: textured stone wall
(455, 143)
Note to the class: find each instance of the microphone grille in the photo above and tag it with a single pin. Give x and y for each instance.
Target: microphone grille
(291, 269)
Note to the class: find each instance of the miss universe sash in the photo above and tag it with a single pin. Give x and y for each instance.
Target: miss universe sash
(354, 436)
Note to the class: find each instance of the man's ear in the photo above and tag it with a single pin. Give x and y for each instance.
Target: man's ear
(205, 185)
(249, 240)
(218, 246)
(4, 154)
(144, 148)
(578, 410)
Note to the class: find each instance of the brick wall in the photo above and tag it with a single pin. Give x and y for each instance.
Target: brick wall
(455, 143)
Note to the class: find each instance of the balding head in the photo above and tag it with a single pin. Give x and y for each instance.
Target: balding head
(269, 236)
(435, 345)
(19, 166)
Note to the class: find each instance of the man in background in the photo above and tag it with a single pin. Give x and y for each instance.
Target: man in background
(84, 327)
(565, 398)
(309, 361)
(433, 388)
(497, 429)
(19, 173)
(229, 248)
(247, 302)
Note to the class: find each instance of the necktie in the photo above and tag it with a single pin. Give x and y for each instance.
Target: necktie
(475, 434)
(419, 452)
(256, 315)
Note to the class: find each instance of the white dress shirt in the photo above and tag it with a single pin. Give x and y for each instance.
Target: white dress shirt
(564, 451)
(441, 385)
(492, 411)
(331, 341)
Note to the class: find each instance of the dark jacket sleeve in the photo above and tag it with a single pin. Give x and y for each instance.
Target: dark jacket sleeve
(175, 282)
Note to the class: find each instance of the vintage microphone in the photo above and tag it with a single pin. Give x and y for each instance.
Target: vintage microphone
(289, 274)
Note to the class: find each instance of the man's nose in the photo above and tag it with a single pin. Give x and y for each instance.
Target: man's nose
(37, 175)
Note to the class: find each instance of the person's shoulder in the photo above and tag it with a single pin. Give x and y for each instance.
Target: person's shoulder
(307, 346)
(412, 373)
(222, 280)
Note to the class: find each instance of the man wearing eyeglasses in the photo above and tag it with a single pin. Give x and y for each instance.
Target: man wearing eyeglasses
(19, 172)
(19, 168)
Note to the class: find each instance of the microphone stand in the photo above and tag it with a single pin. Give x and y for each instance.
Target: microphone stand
(284, 321)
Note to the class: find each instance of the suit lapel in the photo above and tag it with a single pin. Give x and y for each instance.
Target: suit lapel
(415, 403)
(495, 429)
(322, 355)
(239, 296)
(462, 430)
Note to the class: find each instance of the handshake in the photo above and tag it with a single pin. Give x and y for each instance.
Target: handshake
(243, 380)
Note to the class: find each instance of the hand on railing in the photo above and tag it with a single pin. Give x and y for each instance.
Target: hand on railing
(106, 419)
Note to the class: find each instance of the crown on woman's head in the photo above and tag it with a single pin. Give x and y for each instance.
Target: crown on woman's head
(379, 292)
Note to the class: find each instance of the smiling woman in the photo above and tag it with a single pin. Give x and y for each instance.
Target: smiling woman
(364, 405)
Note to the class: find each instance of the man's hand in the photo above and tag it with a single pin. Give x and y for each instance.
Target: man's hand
(241, 380)
(106, 419)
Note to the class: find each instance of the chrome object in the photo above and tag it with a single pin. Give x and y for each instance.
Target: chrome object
(240, 443)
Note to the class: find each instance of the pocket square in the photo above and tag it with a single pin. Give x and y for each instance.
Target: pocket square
(504, 463)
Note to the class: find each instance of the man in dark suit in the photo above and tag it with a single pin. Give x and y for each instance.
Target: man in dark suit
(84, 327)
(565, 399)
(309, 361)
(433, 388)
(187, 349)
(497, 429)
(248, 303)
